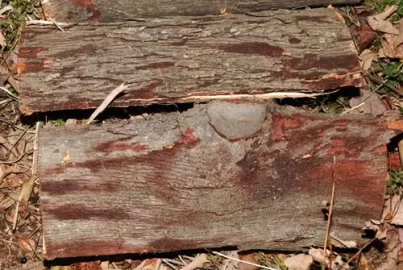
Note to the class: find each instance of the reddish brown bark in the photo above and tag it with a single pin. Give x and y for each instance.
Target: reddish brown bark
(112, 11)
(223, 174)
(184, 59)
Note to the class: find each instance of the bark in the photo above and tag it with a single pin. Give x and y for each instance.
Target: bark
(185, 60)
(245, 175)
(112, 11)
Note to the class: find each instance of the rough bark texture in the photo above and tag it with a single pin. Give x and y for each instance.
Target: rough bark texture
(181, 59)
(223, 174)
(112, 11)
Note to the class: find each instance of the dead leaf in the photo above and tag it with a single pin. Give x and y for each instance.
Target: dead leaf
(365, 36)
(88, 266)
(392, 46)
(248, 258)
(71, 122)
(198, 262)
(364, 264)
(380, 23)
(370, 103)
(66, 159)
(26, 190)
(25, 243)
(299, 262)
(105, 265)
(367, 57)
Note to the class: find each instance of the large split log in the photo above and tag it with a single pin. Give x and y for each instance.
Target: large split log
(222, 174)
(185, 59)
(108, 11)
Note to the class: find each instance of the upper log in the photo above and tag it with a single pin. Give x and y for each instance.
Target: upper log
(117, 11)
(185, 59)
(222, 174)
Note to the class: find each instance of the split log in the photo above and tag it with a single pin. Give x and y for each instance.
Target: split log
(112, 11)
(185, 59)
(220, 174)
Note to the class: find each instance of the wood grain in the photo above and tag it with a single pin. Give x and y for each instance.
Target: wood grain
(181, 59)
(112, 11)
(245, 175)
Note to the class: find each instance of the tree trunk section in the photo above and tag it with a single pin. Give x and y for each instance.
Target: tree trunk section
(245, 175)
(112, 11)
(185, 59)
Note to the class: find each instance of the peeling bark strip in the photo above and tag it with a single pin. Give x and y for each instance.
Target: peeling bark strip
(222, 174)
(181, 59)
(112, 11)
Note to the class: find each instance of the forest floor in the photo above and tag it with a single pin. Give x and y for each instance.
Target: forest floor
(21, 243)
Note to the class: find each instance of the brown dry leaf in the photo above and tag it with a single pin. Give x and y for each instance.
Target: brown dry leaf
(105, 265)
(66, 159)
(12, 181)
(149, 264)
(380, 21)
(152, 264)
(198, 262)
(364, 264)
(371, 103)
(10, 216)
(365, 36)
(299, 262)
(367, 57)
(71, 122)
(88, 266)
(392, 46)
(249, 258)
(25, 243)
(393, 210)
(26, 190)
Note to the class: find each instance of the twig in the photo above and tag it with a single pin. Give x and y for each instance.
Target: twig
(15, 161)
(242, 261)
(35, 153)
(15, 143)
(329, 219)
(365, 100)
(358, 253)
(57, 25)
(27, 187)
(8, 92)
(115, 92)
(170, 264)
(43, 22)
(272, 95)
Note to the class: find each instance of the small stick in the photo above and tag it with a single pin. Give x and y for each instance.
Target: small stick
(15, 143)
(8, 92)
(35, 154)
(43, 22)
(27, 187)
(329, 219)
(242, 261)
(57, 25)
(115, 92)
(358, 253)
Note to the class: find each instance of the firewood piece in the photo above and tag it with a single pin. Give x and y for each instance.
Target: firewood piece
(255, 178)
(185, 59)
(112, 11)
